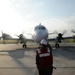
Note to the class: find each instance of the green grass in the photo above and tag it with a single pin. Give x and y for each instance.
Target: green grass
(8, 41)
(69, 40)
(15, 41)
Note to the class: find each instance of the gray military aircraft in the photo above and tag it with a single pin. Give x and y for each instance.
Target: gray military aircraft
(40, 32)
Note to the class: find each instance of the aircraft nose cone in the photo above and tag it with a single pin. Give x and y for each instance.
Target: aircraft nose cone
(40, 36)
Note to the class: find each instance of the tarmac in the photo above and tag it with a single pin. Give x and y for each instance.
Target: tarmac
(14, 60)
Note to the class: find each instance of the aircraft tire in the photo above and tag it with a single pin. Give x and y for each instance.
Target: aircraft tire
(24, 45)
(56, 45)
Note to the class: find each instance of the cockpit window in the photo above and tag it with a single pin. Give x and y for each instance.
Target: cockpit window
(40, 27)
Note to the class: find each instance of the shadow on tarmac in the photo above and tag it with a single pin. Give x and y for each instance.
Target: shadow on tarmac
(19, 54)
(65, 52)
(16, 55)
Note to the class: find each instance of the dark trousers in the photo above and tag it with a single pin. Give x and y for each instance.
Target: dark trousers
(45, 71)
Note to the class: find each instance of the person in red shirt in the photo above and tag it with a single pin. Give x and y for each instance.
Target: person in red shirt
(44, 58)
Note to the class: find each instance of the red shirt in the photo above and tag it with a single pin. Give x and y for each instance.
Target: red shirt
(44, 57)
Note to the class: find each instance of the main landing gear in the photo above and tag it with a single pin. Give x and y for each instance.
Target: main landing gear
(24, 45)
(57, 45)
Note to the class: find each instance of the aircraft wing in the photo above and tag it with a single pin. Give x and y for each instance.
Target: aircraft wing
(24, 39)
(68, 37)
(64, 38)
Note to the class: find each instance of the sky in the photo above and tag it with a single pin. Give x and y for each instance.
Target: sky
(17, 16)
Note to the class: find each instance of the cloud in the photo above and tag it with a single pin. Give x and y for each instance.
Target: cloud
(62, 24)
(25, 14)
